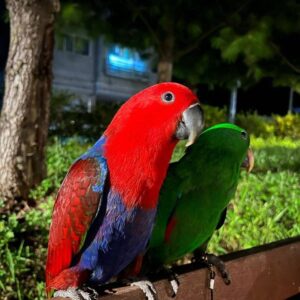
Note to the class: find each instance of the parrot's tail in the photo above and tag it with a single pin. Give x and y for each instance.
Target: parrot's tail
(72, 277)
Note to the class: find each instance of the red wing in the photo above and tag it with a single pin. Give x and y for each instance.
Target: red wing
(75, 207)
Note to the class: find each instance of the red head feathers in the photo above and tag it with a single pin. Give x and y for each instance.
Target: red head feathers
(142, 136)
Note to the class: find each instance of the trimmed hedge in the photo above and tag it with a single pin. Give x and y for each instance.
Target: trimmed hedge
(69, 119)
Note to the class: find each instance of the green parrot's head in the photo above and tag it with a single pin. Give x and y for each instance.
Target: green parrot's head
(216, 158)
(219, 149)
(230, 142)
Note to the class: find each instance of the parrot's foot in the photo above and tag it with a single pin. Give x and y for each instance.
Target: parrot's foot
(76, 294)
(213, 260)
(147, 288)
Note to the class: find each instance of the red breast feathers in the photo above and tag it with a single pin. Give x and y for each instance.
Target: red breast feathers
(141, 139)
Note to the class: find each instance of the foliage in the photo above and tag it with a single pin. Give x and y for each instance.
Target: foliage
(266, 205)
(23, 240)
(69, 117)
(278, 157)
(219, 43)
(273, 141)
(255, 124)
(214, 115)
(60, 155)
(260, 41)
(266, 208)
(276, 125)
(72, 119)
(287, 125)
(23, 235)
(148, 23)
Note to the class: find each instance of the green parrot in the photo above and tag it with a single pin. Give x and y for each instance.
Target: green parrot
(196, 193)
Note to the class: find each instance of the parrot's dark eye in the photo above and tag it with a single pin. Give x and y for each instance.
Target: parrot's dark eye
(244, 135)
(168, 97)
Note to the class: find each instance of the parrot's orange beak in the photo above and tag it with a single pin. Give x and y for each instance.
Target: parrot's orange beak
(248, 163)
(191, 124)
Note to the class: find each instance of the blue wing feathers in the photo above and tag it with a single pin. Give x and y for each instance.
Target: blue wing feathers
(117, 234)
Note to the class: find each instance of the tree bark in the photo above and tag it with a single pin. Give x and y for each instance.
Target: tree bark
(165, 64)
(25, 112)
(164, 70)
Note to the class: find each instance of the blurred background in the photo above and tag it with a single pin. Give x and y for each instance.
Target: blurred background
(240, 57)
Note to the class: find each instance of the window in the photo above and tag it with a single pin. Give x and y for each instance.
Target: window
(81, 46)
(59, 42)
(71, 43)
(68, 43)
(126, 62)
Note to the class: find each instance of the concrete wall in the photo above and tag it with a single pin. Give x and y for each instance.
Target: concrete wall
(75, 72)
(85, 76)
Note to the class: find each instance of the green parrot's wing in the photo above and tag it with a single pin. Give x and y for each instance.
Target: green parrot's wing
(166, 207)
(222, 219)
(202, 249)
(196, 191)
(197, 253)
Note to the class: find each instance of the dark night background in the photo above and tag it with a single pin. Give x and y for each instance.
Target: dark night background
(263, 97)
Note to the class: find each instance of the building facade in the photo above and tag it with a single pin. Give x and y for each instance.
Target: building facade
(93, 70)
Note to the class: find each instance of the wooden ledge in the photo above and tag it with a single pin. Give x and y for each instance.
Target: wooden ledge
(267, 272)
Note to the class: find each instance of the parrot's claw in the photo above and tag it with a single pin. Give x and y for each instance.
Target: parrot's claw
(211, 259)
(173, 279)
(147, 288)
(74, 294)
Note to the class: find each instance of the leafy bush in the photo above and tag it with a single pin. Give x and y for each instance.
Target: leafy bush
(214, 115)
(60, 156)
(282, 126)
(23, 241)
(266, 205)
(69, 117)
(24, 235)
(288, 125)
(273, 141)
(265, 208)
(255, 124)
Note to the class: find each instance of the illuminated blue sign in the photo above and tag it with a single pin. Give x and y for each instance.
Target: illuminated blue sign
(125, 62)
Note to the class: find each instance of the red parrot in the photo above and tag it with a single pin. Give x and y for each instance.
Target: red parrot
(106, 206)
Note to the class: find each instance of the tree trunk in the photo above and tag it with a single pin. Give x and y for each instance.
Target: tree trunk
(164, 70)
(25, 112)
(165, 64)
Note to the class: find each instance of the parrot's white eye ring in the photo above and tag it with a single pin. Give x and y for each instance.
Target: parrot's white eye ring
(168, 97)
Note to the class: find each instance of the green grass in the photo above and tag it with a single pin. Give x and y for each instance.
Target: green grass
(23, 235)
(266, 208)
(267, 203)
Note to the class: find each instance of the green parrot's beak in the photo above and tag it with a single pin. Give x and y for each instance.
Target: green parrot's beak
(191, 124)
(248, 163)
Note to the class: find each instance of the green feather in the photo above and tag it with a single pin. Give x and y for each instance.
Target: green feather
(197, 190)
